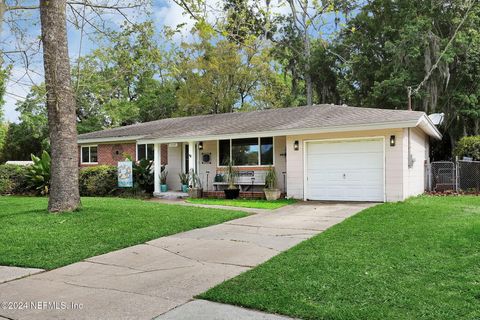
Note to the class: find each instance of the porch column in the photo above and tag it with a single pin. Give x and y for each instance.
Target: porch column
(157, 160)
(192, 161)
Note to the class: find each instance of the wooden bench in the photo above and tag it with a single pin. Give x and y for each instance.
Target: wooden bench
(244, 180)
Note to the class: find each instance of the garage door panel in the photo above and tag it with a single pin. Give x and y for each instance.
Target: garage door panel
(345, 170)
(364, 160)
(346, 175)
(346, 147)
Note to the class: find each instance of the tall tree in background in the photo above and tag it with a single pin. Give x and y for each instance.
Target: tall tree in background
(309, 17)
(392, 45)
(62, 122)
(124, 82)
(30, 134)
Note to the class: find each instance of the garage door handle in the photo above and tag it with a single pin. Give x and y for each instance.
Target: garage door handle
(344, 176)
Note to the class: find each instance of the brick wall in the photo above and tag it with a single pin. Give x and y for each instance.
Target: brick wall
(111, 154)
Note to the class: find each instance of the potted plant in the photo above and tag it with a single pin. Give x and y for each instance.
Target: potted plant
(271, 191)
(231, 173)
(163, 181)
(184, 179)
(196, 190)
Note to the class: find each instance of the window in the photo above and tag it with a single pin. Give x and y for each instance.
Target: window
(266, 151)
(223, 152)
(145, 151)
(246, 152)
(89, 154)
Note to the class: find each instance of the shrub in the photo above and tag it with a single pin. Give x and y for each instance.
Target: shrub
(143, 178)
(468, 147)
(98, 180)
(13, 179)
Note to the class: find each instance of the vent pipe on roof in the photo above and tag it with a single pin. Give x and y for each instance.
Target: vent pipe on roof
(409, 91)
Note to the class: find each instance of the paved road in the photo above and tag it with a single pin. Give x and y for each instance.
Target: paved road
(148, 280)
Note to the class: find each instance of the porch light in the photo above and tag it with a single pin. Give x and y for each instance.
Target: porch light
(200, 145)
(296, 145)
(392, 141)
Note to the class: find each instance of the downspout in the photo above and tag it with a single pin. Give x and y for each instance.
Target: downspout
(410, 158)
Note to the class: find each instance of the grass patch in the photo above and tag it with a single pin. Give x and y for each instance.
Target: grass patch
(31, 237)
(245, 203)
(418, 259)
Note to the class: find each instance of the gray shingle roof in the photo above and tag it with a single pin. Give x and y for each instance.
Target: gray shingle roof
(294, 118)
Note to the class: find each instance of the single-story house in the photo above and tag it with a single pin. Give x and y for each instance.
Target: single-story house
(323, 152)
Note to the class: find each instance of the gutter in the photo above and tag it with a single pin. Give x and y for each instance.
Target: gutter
(124, 139)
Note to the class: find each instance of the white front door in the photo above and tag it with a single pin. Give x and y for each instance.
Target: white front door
(345, 170)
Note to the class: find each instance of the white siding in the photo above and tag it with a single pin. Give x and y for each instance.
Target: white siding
(414, 176)
(280, 160)
(208, 147)
(393, 161)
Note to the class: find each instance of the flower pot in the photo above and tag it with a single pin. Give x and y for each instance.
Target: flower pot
(231, 193)
(163, 188)
(195, 192)
(185, 188)
(272, 194)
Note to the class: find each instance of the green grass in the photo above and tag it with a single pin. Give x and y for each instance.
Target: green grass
(31, 237)
(418, 259)
(245, 203)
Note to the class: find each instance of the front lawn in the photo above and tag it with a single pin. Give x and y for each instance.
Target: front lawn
(245, 203)
(418, 259)
(31, 237)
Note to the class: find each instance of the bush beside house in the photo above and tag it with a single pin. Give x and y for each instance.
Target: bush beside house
(13, 179)
(93, 181)
(98, 181)
(468, 147)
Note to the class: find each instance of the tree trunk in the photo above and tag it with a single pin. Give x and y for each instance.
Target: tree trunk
(3, 8)
(307, 75)
(64, 194)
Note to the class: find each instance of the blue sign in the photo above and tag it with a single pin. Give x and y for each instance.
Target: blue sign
(125, 174)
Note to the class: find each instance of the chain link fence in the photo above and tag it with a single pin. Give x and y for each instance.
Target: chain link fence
(459, 176)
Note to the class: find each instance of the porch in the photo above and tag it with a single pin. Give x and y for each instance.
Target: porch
(254, 155)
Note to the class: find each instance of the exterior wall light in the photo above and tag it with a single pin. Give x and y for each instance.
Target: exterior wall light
(296, 146)
(392, 141)
(200, 145)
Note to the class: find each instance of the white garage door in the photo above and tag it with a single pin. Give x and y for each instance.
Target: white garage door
(349, 170)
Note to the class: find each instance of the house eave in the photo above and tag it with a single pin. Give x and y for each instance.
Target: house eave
(126, 139)
(426, 124)
(288, 132)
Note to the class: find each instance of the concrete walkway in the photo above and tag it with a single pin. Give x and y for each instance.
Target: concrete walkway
(12, 273)
(207, 310)
(148, 280)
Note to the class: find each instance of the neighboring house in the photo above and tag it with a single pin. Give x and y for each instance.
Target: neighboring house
(324, 152)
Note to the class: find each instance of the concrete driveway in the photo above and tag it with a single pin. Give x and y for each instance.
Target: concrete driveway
(147, 280)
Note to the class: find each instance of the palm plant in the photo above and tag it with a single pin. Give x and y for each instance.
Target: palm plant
(271, 179)
(163, 177)
(231, 174)
(184, 178)
(195, 181)
(38, 173)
